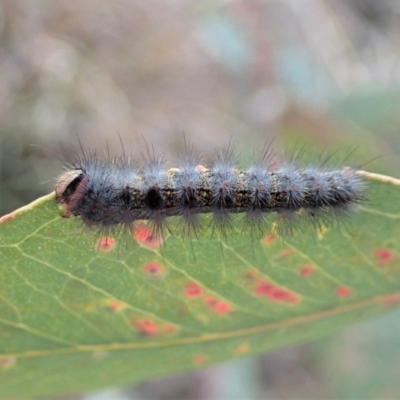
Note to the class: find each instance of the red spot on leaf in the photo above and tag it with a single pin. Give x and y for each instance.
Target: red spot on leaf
(275, 293)
(384, 256)
(7, 217)
(169, 328)
(269, 239)
(392, 300)
(145, 237)
(7, 362)
(145, 326)
(105, 244)
(307, 270)
(193, 290)
(242, 349)
(286, 253)
(343, 291)
(220, 307)
(200, 359)
(116, 306)
(154, 269)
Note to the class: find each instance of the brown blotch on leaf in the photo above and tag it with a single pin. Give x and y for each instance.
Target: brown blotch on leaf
(251, 275)
(154, 269)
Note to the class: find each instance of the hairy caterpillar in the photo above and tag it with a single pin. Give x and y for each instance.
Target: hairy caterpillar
(113, 193)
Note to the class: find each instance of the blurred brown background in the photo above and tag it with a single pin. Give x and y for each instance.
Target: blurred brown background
(323, 72)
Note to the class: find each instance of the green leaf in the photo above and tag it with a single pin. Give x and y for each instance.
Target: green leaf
(74, 317)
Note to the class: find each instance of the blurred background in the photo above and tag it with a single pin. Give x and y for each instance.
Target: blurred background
(321, 72)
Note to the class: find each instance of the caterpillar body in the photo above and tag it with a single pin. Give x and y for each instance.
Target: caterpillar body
(108, 194)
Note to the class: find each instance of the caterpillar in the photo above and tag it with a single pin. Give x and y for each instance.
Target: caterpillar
(113, 193)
